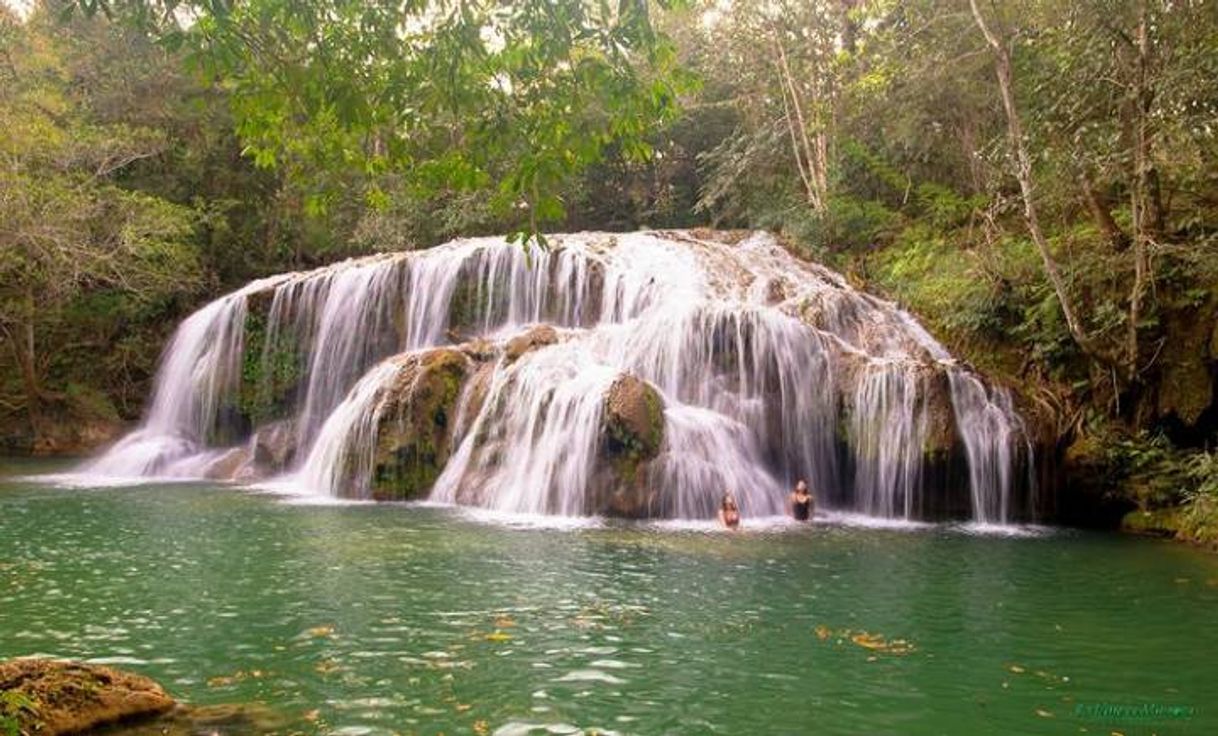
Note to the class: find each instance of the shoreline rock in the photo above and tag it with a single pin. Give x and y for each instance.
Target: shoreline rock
(51, 697)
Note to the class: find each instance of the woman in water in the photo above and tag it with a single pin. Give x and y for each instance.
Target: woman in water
(801, 503)
(729, 514)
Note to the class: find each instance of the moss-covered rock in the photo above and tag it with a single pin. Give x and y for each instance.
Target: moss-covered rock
(634, 418)
(1187, 386)
(416, 416)
(49, 697)
(272, 366)
(1163, 522)
(632, 436)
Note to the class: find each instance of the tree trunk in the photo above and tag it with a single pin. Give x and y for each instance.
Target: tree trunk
(812, 157)
(1144, 202)
(1101, 212)
(1023, 173)
(23, 345)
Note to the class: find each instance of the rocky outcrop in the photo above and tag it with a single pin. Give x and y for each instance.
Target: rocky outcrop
(50, 697)
(634, 418)
(274, 445)
(232, 465)
(528, 341)
(632, 436)
(414, 431)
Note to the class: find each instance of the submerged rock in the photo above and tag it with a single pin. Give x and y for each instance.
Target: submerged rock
(49, 697)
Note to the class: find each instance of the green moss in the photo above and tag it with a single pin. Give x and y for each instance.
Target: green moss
(1157, 522)
(413, 438)
(269, 374)
(18, 713)
(468, 304)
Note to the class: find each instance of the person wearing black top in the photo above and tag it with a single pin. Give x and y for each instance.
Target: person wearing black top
(801, 503)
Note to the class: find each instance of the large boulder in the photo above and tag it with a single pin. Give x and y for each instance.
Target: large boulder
(50, 697)
(414, 430)
(632, 436)
(634, 418)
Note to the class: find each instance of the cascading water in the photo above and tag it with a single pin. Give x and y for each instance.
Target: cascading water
(683, 365)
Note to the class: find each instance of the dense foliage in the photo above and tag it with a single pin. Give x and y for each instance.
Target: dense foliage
(1038, 181)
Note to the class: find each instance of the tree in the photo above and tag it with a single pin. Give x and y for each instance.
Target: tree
(441, 96)
(65, 227)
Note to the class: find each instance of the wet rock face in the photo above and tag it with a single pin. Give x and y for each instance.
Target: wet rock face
(232, 465)
(528, 341)
(414, 431)
(274, 445)
(58, 697)
(634, 418)
(632, 436)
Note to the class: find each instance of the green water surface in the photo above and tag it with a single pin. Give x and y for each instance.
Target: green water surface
(398, 619)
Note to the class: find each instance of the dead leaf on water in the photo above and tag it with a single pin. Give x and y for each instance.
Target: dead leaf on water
(1043, 713)
(482, 728)
(823, 632)
(1017, 669)
(499, 636)
(320, 631)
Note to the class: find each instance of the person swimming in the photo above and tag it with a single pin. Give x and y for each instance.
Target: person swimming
(801, 503)
(729, 512)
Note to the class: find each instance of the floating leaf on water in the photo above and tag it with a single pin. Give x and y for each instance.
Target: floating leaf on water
(482, 728)
(504, 622)
(312, 715)
(1017, 669)
(1043, 713)
(320, 631)
(498, 636)
(877, 642)
(823, 632)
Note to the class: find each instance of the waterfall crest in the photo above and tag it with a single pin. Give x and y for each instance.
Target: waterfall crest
(639, 375)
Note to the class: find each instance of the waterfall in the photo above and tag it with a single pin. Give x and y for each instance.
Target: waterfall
(888, 428)
(991, 430)
(638, 374)
(199, 372)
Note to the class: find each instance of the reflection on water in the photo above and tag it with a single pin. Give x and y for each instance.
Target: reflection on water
(363, 619)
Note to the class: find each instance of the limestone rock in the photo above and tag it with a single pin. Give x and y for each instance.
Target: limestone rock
(633, 434)
(232, 465)
(941, 434)
(73, 697)
(531, 339)
(275, 445)
(415, 427)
